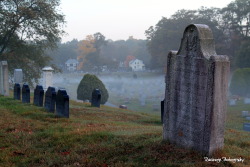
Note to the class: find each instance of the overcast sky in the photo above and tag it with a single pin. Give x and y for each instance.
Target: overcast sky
(119, 19)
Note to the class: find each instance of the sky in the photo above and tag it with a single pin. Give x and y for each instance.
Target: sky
(119, 19)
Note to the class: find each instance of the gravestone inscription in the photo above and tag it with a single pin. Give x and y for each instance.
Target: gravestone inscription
(96, 98)
(25, 93)
(38, 96)
(196, 91)
(50, 99)
(62, 103)
(17, 91)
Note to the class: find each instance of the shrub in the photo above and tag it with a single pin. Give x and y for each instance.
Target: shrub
(240, 83)
(88, 84)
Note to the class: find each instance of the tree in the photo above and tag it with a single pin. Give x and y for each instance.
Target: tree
(27, 28)
(88, 84)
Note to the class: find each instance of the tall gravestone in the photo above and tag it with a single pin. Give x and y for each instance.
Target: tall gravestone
(38, 96)
(50, 99)
(196, 92)
(62, 103)
(47, 77)
(96, 98)
(18, 76)
(25, 93)
(17, 91)
(4, 78)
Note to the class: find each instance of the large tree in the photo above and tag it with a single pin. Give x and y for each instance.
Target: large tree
(27, 29)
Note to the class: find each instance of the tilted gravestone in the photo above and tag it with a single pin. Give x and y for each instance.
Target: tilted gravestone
(196, 92)
(96, 98)
(25, 93)
(50, 99)
(17, 91)
(62, 103)
(18, 76)
(38, 96)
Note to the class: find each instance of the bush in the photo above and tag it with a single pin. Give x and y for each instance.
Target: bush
(240, 83)
(88, 84)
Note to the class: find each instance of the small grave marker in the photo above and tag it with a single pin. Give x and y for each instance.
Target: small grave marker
(17, 91)
(38, 96)
(25, 93)
(50, 99)
(96, 98)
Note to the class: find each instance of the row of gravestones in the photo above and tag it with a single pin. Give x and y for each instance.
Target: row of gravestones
(59, 100)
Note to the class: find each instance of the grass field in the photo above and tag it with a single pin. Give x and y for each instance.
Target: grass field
(29, 136)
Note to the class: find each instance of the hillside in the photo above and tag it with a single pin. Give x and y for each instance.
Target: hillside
(29, 136)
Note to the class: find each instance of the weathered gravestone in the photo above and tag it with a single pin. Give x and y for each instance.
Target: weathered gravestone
(17, 91)
(50, 99)
(18, 76)
(25, 93)
(232, 102)
(196, 91)
(4, 78)
(96, 98)
(62, 103)
(38, 96)
(246, 100)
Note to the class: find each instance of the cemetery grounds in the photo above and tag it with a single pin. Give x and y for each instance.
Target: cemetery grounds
(106, 136)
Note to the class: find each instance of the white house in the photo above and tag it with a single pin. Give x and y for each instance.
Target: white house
(71, 64)
(137, 65)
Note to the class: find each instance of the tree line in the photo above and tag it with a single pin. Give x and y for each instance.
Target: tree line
(230, 26)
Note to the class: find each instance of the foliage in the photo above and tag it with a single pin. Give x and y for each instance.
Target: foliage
(88, 84)
(240, 82)
(27, 29)
(242, 59)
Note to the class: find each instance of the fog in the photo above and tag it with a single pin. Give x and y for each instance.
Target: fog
(122, 88)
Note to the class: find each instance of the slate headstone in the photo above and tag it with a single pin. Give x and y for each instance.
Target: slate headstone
(38, 95)
(246, 127)
(18, 76)
(162, 110)
(196, 92)
(62, 103)
(17, 91)
(25, 93)
(50, 99)
(96, 98)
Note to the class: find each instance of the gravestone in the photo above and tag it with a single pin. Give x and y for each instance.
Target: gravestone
(123, 106)
(245, 113)
(38, 96)
(232, 102)
(62, 103)
(246, 127)
(246, 100)
(196, 92)
(96, 98)
(47, 77)
(4, 78)
(17, 91)
(18, 76)
(25, 93)
(50, 99)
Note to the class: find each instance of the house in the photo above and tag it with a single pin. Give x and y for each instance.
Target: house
(71, 64)
(137, 65)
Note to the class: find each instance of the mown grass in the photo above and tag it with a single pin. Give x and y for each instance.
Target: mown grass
(29, 136)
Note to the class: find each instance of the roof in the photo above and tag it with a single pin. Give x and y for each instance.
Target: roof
(71, 61)
(48, 69)
(132, 61)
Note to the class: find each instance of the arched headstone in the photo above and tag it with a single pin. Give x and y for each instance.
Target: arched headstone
(196, 92)
(38, 95)
(17, 91)
(25, 93)
(50, 99)
(62, 103)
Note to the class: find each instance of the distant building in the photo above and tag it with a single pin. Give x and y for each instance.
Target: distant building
(71, 64)
(137, 65)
